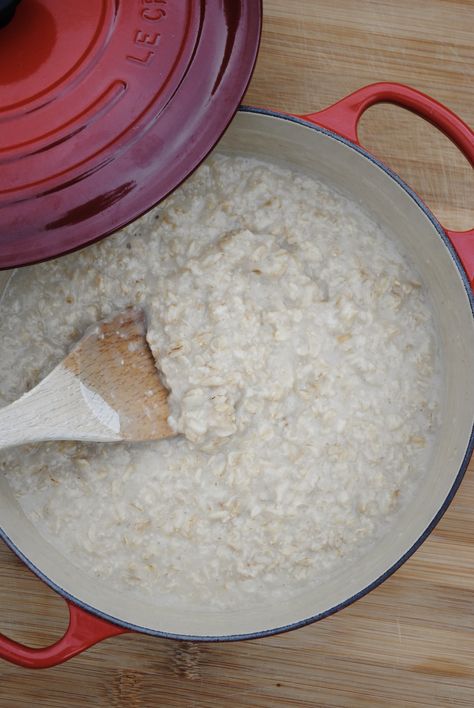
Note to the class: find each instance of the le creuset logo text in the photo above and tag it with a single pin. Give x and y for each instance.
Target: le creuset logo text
(146, 39)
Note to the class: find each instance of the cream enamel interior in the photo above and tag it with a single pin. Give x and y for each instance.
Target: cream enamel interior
(299, 147)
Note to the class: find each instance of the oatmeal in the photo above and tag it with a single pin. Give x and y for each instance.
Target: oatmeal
(299, 348)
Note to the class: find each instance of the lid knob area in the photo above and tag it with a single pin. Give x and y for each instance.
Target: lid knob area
(7, 10)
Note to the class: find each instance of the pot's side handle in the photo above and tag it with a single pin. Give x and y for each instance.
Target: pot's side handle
(343, 118)
(84, 631)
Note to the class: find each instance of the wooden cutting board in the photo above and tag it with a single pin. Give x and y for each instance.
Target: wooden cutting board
(411, 641)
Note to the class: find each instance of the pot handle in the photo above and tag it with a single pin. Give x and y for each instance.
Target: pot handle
(343, 118)
(84, 631)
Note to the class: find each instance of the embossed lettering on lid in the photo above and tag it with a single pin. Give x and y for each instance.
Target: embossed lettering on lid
(105, 106)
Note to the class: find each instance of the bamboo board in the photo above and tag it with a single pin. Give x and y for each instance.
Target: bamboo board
(411, 641)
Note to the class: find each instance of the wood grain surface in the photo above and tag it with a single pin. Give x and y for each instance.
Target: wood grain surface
(411, 641)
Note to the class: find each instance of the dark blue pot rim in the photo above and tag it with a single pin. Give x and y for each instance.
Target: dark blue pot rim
(411, 550)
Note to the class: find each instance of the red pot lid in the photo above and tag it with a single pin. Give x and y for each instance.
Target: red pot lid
(106, 106)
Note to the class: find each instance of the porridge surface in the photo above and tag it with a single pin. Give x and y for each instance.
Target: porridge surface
(300, 351)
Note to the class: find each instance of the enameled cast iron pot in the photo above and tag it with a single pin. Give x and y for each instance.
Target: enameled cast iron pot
(323, 144)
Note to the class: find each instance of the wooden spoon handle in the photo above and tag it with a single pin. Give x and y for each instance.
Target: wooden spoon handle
(61, 407)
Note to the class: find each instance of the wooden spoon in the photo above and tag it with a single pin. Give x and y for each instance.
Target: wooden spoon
(107, 389)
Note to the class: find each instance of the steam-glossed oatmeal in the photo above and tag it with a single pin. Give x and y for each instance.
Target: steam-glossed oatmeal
(299, 348)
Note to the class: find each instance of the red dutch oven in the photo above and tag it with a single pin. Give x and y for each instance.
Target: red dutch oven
(326, 145)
